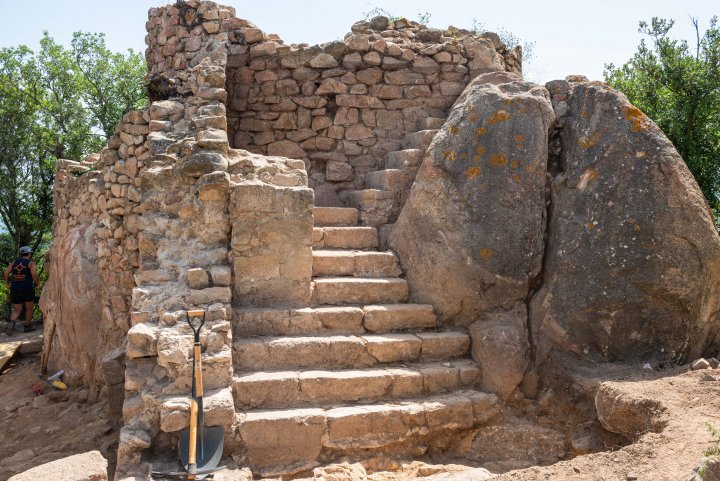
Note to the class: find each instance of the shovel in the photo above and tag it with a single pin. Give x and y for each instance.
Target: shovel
(200, 446)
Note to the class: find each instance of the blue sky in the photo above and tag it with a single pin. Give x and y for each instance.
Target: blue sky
(572, 37)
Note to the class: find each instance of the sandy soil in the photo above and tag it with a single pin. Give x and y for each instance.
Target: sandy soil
(39, 429)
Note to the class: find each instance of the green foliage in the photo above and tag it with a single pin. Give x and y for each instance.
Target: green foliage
(423, 18)
(56, 103)
(679, 88)
(713, 452)
(509, 39)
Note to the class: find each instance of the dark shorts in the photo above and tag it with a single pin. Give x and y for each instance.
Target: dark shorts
(18, 295)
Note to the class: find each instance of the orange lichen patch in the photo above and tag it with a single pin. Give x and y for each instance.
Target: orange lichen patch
(472, 108)
(480, 150)
(481, 130)
(636, 228)
(515, 164)
(516, 178)
(588, 141)
(472, 172)
(589, 175)
(507, 101)
(454, 129)
(463, 156)
(590, 226)
(476, 158)
(498, 160)
(449, 155)
(499, 116)
(637, 118)
(519, 138)
(584, 114)
(473, 118)
(485, 253)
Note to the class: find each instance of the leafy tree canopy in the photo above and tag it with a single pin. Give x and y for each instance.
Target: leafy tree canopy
(678, 86)
(56, 103)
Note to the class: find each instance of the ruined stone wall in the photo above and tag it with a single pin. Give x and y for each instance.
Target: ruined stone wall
(341, 106)
(95, 254)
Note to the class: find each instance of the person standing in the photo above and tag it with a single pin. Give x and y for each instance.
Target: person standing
(22, 278)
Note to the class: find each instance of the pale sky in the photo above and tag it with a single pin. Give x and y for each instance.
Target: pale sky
(571, 37)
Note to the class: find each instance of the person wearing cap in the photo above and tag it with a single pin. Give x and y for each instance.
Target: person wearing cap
(22, 277)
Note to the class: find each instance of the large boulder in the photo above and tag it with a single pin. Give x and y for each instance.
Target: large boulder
(70, 305)
(632, 265)
(470, 236)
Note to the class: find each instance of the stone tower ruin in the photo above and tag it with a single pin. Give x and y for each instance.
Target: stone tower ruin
(391, 235)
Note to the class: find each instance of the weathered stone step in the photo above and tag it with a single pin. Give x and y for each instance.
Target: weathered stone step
(333, 319)
(359, 290)
(419, 140)
(395, 180)
(285, 389)
(355, 263)
(345, 237)
(403, 159)
(376, 207)
(431, 123)
(335, 216)
(328, 352)
(276, 439)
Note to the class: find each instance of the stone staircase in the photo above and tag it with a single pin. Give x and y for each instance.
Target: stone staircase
(388, 189)
(359, 372)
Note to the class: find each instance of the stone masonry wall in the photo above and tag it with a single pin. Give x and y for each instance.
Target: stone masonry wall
(94, 256)
(341, 106)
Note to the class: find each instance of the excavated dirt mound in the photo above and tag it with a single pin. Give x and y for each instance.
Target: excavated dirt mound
(663, 412)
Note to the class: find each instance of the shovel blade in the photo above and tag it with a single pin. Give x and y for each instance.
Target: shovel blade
(209, 458)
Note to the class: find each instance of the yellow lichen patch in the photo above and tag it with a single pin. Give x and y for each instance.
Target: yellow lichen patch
(515, 164)
(519, 138)
(637, 118)
(485, 253)
(590, 226)
(499, 116)
(449, 155)
(463, 156)
(480, 150)
(472, 172)
(498, 160)
(454, 129)
(507, 101)
(473, 118)
(588, 141)
(481, 130)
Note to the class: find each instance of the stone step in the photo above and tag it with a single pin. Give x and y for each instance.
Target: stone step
(395, 180)
(334, 319)
(359, 290)
(419, 140)
(335, 216)
(403, 159)
(376, 207)
(353, 351)
(432, 123)
(355, 263)
(277, 439)
(321, 388)
(345, 237)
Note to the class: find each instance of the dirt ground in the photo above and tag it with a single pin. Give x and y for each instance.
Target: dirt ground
(37, 429)
(40, 428)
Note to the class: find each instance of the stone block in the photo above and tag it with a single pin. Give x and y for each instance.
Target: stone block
(198, 278)
(90, 466)
(221, 275)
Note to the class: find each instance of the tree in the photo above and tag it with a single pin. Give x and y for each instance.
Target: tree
(56, 103)
(679, 88)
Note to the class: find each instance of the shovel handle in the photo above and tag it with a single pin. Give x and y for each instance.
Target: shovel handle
(192, 440)
(196, 313)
